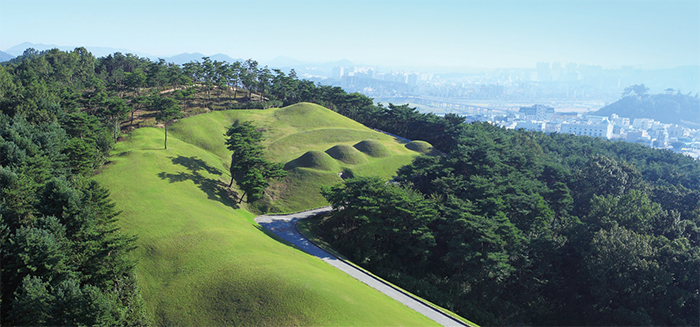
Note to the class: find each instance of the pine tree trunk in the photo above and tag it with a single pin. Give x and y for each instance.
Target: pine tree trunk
(166, 136)
(116, 128)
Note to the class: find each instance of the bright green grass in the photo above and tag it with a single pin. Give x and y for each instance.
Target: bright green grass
(420, 146)
(346, 154)
(373, 148)
(204, 262)
(299, 136)
(314, 160)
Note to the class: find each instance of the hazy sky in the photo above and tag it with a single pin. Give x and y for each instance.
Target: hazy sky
(646, 34)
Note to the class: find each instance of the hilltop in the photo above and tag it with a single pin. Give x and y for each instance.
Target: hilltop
(203, 261)
(667, 108)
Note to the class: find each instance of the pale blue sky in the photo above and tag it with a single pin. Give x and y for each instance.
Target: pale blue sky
(488, 34)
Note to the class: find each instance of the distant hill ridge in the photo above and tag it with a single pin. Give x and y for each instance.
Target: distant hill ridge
(667, 108)
(278, 62)
(4, 56)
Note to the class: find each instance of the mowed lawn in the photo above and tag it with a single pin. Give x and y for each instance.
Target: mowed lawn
(203, 261)
(292, 132)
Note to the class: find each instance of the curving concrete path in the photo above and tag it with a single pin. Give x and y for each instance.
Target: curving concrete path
(285, 227)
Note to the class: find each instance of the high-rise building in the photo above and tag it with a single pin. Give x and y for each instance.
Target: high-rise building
(537, 112)
(338, 73)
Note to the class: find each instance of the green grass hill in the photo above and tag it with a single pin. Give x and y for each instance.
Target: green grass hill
(292, 135)
(203, 261)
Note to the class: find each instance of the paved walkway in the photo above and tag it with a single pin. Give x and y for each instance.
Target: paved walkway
(285, 227)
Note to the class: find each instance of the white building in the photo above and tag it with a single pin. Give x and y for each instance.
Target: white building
(619, 121)
(537, 126)
(642, 123)
(537, 112)
(596, 129)
(338, 73)
(550, 127)
(678, 131)
(634, 136)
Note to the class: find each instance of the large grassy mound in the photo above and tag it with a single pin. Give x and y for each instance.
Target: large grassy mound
(290, 133)
(203, 261)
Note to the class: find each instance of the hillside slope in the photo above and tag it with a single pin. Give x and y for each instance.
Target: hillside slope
(667, 108)
(203, 260)
(304, 137)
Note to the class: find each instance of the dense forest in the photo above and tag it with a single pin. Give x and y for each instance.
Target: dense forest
(516, 227)
(504, 227)
(64, 260)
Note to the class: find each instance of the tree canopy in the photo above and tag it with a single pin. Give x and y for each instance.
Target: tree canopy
(248, 164)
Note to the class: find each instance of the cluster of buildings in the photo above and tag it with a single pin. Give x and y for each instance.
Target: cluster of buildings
(639, 130)
(356, 76)
(544, 82)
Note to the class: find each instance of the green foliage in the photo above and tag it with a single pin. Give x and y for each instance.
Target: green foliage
(167, 110)
(33, 303)
(637, 103)
(61, 251)
(248, 165)
(202, 259)
(537, 229)
(381, 224)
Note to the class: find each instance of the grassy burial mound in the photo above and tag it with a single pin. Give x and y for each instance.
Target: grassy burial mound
(314, 160)
(291, 133)
(204, 262)
(372, 148)
(202, 258)
(421, 147)
(346, 154)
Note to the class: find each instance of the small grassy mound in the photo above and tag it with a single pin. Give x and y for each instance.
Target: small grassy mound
(346, 154)
(420, 147)
(314, 160)
(372, 148)
(293, 145)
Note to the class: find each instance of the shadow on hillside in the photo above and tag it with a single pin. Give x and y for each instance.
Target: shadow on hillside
(213, 188)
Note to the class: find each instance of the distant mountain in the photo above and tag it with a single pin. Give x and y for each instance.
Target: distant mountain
(104, 51)
(4, 56)
(18, 50)
(666, 108)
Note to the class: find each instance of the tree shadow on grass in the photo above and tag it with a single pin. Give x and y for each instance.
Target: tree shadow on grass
(214, 189)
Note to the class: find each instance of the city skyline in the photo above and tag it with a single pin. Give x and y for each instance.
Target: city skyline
(403, 34)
